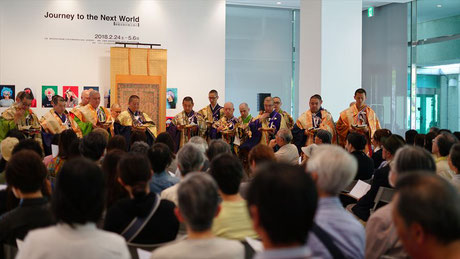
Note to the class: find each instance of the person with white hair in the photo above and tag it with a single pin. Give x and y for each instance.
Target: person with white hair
(189, 159)
(288, 152)
(336, 233)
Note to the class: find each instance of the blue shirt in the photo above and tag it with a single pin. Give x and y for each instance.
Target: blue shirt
(285, 253)
(346, 231)
(161, 181)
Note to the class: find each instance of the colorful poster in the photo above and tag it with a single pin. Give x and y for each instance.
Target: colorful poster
(34, 101)
(70, 94)
(95, 88)
(168, 121)
(171, 98)
(48, 91)
(6, 95)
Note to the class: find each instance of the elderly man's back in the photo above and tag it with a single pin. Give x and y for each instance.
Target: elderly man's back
(202, 249)
(288, 154)
(347, 233)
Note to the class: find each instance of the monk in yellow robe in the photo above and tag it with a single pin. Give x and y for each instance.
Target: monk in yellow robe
(211, 114)
(186, 124)
(227, 125)
(133, 119)
(286, 116)
(57, 119)
(308, 124)
(20, 116)
(92, 115)
(358, 118)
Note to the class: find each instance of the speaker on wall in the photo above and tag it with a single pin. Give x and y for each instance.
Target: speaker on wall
(260, 100)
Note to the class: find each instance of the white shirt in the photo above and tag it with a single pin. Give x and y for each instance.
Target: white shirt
(288, 154)
(170, 194)
(84, 241)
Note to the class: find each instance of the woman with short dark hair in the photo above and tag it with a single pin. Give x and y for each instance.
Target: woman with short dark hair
(78, 202)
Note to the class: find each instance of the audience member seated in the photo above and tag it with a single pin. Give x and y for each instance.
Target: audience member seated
(427, 216)
(323, 137)
(282, 201)
(25, 174)
(454, 164)
(93, 146)
(166, 139)
(159, 225)
(14, 133)
(117, 142)
(78, 202)
(420, 140)
(198, 205)
(287, 152)
(160, 157)
(48, 152)
(217, 147)
(103, 132)
(362, 208)
(115, 191)
(29, 144)
(377, 141)
(331, 177)
(202, 145)
(457, 134)
(140, 148)
(410, 137)
(307, 152)
(189, 159)
(381, 236)
(6, 148)
(137, 136)
(356, 143)
(233, 221)
(441, 148)
(66, 138)
(429, 137)
(259, 155)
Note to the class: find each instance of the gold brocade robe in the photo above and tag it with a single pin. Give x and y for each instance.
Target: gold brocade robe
(28, 122)
(305, 122)
(126, 119)
(52, 124)
(87, 118)
(287, 119)
(209, 118)
(352, 116)
(186, 121)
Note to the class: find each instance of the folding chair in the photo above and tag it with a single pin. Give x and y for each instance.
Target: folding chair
(385, 195)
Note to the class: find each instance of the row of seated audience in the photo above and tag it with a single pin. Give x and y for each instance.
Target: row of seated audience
(96, 196)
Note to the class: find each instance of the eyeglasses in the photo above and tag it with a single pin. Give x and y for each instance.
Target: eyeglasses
(277, 102)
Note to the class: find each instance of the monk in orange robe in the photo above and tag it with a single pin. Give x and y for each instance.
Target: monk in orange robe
(359, 118)
(311, 121)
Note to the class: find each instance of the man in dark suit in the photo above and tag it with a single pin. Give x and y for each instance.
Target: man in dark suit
(356, 143)
(362, 208)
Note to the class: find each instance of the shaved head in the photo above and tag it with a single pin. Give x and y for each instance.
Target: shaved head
(228, 109)
(228, 105)
(85, 97)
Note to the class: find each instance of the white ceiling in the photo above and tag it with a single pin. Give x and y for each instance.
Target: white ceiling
(427, 9)
(296, 3)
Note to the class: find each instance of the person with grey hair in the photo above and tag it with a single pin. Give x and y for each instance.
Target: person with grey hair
(287, 152)
(189, 159)
(441, 148)
(139, 147)
(198, 205)
(381, 236)
(217, 147)
(344, 232)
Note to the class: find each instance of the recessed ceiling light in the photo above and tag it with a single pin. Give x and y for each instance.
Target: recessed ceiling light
(438, 6)
(278, 2)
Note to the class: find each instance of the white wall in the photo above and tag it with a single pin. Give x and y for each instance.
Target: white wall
(193, 31)
(330, 64)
